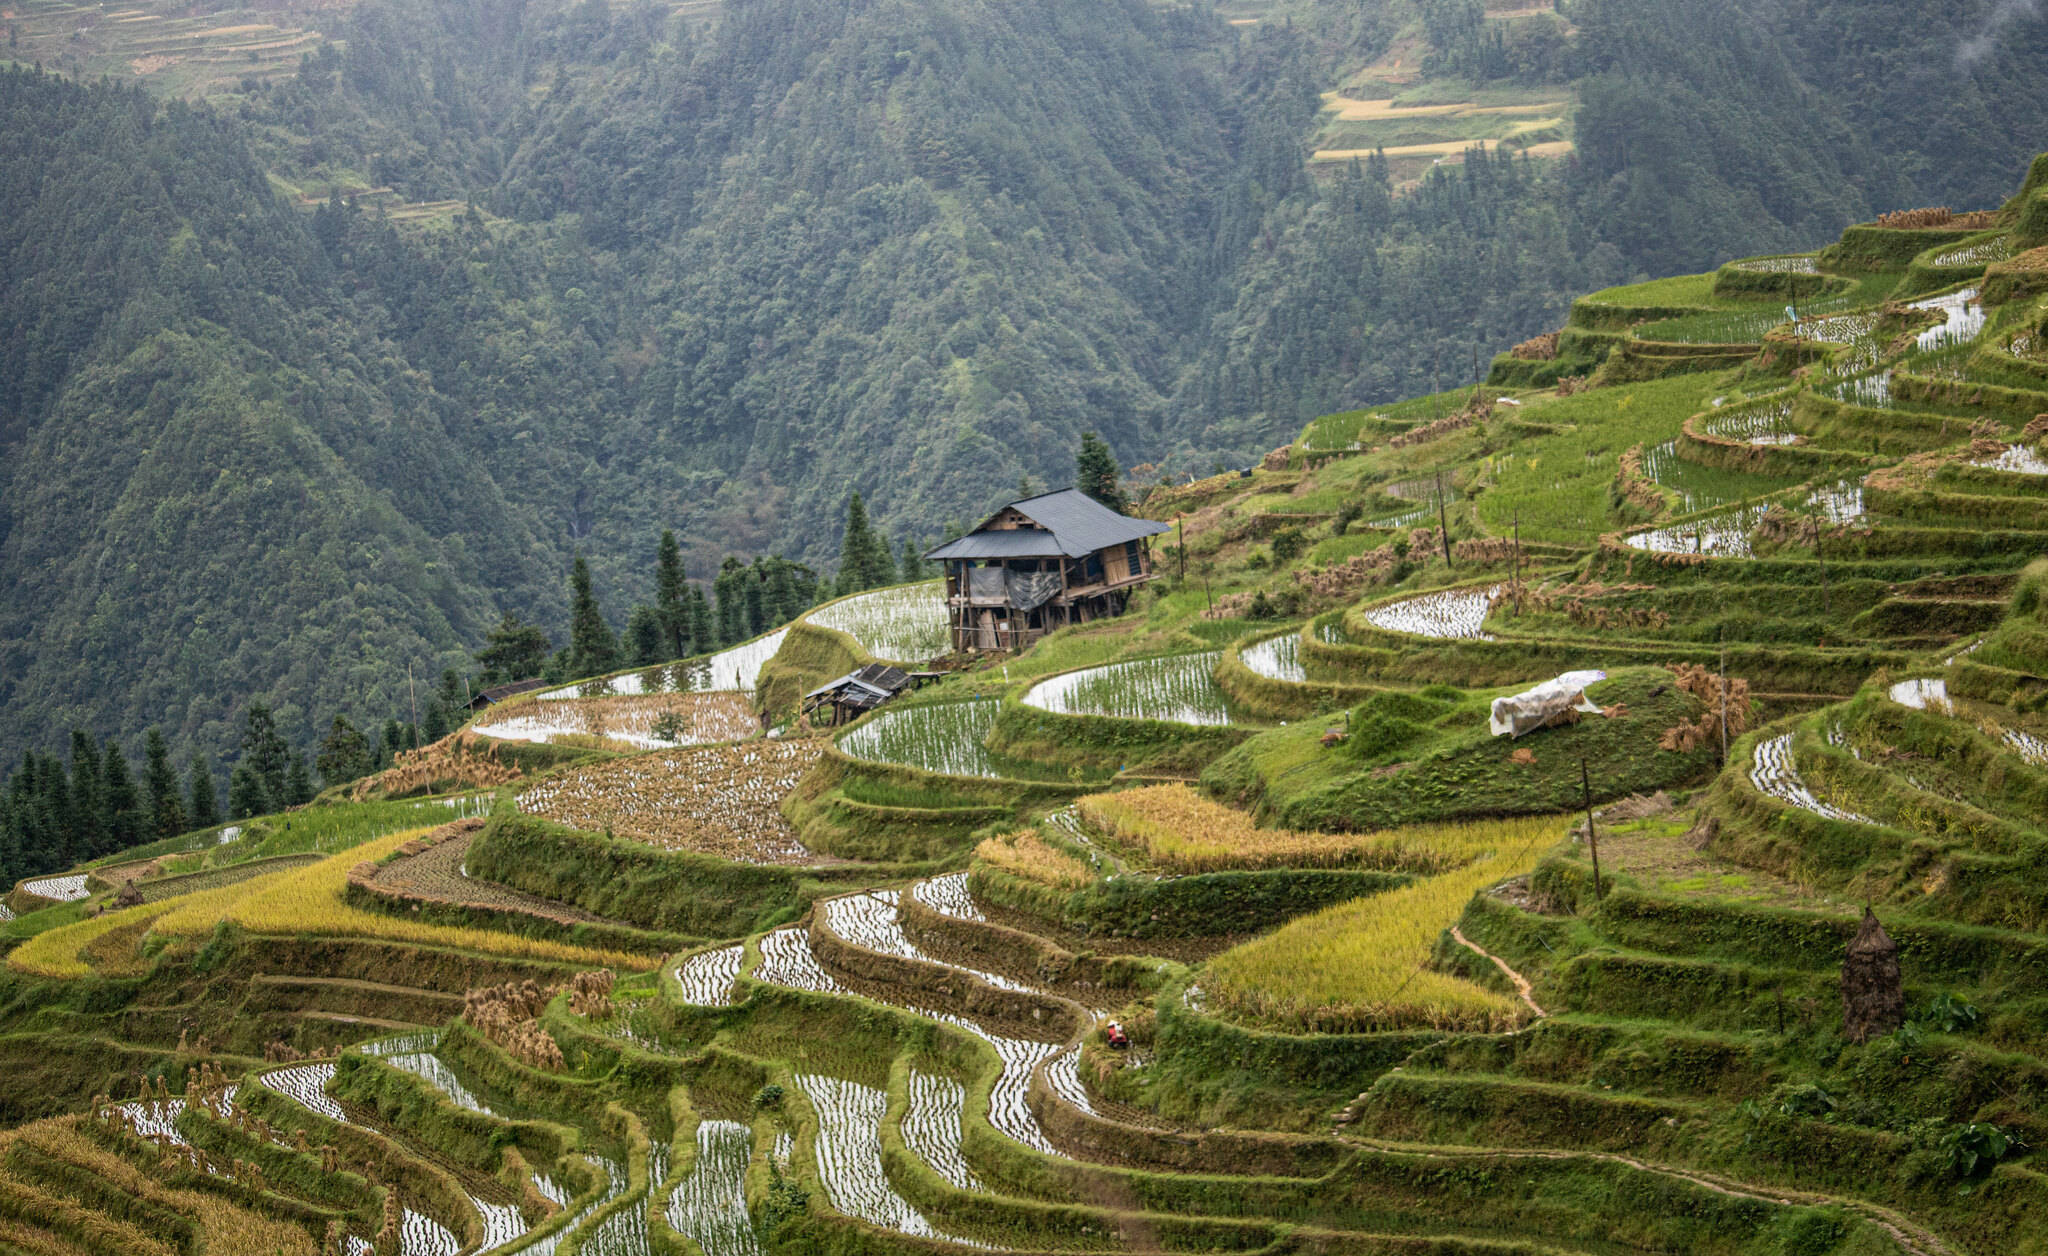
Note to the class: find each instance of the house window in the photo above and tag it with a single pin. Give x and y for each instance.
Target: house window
(1133, 559)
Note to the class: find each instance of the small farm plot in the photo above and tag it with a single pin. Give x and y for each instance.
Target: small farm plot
(907, 624)
(1962, 320)
(787, 960)
(1063, 1073)
(616, 1182)
(1180, 689)
(1766, 424)
(1720, 536)
(2018, 459)
(850, 1156)
(718, 800)
(430, 1069)
(1702, 487)
(306, 1085)
(64, 889)
(707, 977)
(1277, 658)
(1801, 264)
(734, 670)
(869, 919)
(944, 737)
(624, 1232)
(932, 1127)
(1451, 615)
(648, 722)
(1772, 771)
(948, 896)
(710, 1203)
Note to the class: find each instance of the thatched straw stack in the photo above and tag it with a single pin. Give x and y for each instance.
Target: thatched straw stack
(1873, 999)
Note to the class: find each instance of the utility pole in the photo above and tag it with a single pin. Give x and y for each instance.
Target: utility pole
(413, 695)
(1443, 517)
(1518, 564)
(1592, 842)
(1180, 532)
(1724, 696)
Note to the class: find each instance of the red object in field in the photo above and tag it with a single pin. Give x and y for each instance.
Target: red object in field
(1118, 1039)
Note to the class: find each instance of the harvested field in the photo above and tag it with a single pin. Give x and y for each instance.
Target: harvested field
(1772, 771)
(697, 719)
(786, 960)
(433, 873)
(850, 1156)
(906, 624)
(1179, 689)
(1453, 615)
(716, 800)
(932, 1127)
(1278, 658)
(64, 889)
(707, 977)
(948, 896)
(710, 1203)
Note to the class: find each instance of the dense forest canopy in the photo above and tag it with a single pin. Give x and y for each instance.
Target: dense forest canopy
(714, 278)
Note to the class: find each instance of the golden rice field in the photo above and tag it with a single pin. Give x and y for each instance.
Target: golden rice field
(297, 900)
(1028, 855)
(228, 1227)
(717, 800)
(1180, 829)
(632, 721)
(1361, 966)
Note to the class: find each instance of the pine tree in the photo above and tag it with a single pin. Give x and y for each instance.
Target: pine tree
(647, 639)
(784, 603)
(864, 561)
(264, 750)
(205, 808)
(703, 633)
(297, 783)
(246, 795)
(593, 650)
(120, 803)
(756, 587)
(911, 567)
(732, 602)
(436, 723)
(160, 785)
(514, 651)
(1095, 472)
(345, 754)
(83, 813)
(669, 590)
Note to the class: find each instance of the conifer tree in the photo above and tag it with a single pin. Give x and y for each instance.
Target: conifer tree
(703, 633)
(784, 603)
(593, 650)
(345, 754)
(205, 808)
(864, 561)
(513, 651)
(298, 783)
(911, 566)
(264, 750)
(670, 587)
(1095, 472)
(732, 601)
(246, 795)
(83, 813)
(646, 637)
(160, 787)
(755, 588)
(120, 803)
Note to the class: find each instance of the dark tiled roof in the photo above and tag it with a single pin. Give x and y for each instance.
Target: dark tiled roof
(1074, 524)
(498, 693)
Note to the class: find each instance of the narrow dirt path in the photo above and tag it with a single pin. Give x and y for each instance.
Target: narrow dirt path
(1521, 983)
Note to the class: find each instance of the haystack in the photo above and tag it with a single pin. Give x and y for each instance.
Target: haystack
(1873, 1000)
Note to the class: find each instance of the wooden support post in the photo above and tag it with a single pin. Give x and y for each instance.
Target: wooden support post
(414, 697)
(1518, 564)
(1180, 532)
(1724, 697)
(1443, 517)
(1592, 842)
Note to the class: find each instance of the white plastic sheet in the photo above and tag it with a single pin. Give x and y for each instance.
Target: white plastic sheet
(1531, 709)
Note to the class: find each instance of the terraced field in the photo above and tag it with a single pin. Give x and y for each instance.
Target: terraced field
(1105, 963)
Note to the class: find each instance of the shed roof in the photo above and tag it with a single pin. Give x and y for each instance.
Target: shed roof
(498, 693)
(1071, 524)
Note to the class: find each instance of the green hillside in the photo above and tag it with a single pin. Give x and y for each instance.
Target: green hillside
(506, 280)
(1223, 924)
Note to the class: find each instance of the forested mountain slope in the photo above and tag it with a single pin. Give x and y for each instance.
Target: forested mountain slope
(711, 269)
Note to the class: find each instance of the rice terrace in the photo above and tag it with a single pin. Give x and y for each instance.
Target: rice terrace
(1599, 810)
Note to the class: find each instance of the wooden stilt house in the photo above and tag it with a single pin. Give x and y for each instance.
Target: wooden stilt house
(1040, 564)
